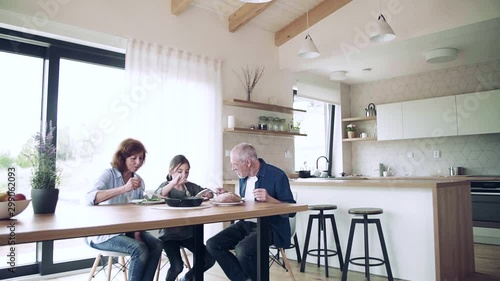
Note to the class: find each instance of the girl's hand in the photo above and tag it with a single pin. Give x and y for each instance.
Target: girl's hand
(220, 190)
(178, 180)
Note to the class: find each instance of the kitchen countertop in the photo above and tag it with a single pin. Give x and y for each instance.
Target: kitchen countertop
(392, 181)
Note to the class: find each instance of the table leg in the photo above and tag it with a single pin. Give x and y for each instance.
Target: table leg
(198, 261)
(263, 249)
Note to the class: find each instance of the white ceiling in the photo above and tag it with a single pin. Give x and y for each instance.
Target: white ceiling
(471, 26)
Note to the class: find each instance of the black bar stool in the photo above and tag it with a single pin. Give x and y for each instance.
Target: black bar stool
(322, 218)
(365, 221)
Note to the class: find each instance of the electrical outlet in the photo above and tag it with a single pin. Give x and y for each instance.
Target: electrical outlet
(410, 155)
(288, 154)
(227, 152)
(437, 154)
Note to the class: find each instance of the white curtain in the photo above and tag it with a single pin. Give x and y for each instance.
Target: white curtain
(175, 102)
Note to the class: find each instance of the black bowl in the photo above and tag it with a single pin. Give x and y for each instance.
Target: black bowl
(184, 202)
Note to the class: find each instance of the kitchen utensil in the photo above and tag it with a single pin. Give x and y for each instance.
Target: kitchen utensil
(184, 202)
(370, 111)
(204, 192)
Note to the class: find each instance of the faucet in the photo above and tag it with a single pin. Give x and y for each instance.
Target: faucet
(317, 160)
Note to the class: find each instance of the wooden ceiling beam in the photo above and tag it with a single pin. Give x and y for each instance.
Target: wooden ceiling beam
(316, 14)
(246, 13)
(179, 6)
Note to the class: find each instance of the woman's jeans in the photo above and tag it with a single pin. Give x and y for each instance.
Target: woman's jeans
(241, 236)
(144, 255)
(173, 250)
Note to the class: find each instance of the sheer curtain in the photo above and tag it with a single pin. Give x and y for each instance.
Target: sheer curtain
(175, 102)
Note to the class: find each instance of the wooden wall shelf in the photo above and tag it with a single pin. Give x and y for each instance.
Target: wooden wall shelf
(263, 132)
(261, 106)
(359, 139)
(352, 119)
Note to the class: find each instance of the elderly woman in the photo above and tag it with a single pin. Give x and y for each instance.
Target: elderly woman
(120, 184)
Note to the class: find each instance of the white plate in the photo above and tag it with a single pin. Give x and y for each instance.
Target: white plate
(228, 204)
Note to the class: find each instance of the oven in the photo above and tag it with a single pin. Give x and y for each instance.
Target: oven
(486, 211)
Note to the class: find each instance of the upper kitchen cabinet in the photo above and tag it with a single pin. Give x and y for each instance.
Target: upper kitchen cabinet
(390, 121)
(478, 113)
(434, 117)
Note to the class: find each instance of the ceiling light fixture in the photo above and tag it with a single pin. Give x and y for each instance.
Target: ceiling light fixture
(255, 1)
(309, 49)
(385, 32)
(441, 55)
(338, 75)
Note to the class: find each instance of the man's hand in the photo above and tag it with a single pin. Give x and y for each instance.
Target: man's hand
(137, 236)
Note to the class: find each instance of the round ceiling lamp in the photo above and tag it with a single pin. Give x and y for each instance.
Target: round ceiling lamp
(338, 75)
(255, 1)
(441, 55)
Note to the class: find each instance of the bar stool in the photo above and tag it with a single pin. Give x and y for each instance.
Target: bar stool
(322, 218)
(365, 212)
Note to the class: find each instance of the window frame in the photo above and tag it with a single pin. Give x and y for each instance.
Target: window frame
(52, 50)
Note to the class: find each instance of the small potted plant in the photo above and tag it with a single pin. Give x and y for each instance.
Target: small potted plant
(45, 176)
(351, 131)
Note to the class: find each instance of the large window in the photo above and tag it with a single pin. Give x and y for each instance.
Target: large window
(73, 86)
(316, 123)
(20, 115)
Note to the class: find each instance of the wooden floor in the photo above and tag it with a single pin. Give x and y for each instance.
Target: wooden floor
(487, 268)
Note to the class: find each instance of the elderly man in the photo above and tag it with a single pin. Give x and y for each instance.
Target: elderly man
(264, 183)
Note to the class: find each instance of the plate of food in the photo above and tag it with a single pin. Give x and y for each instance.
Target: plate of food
(227, 204)
(227, 199)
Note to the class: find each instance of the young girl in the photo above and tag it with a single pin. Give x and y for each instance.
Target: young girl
(177, 186)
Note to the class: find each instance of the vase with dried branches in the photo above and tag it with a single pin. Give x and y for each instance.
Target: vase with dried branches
(249, 78)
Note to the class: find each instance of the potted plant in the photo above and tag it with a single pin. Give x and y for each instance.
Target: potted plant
(351, 131)
(45, 177)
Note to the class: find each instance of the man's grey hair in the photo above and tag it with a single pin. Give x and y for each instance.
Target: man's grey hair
(245, 151)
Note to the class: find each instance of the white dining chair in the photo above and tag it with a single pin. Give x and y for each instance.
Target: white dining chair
(122, 264)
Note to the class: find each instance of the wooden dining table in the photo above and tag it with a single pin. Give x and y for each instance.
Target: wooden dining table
(72, 221)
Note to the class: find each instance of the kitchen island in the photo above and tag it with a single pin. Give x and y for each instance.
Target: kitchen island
(427, 224)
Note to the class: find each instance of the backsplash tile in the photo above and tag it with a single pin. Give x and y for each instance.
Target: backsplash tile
(270, 148)
(479, 154)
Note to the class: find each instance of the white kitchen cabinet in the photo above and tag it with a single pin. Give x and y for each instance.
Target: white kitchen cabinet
(434, 117)
(389, 121)
(478, 113)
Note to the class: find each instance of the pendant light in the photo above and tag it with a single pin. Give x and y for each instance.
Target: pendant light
(255, 1)
(385, 32)
(309, 49)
